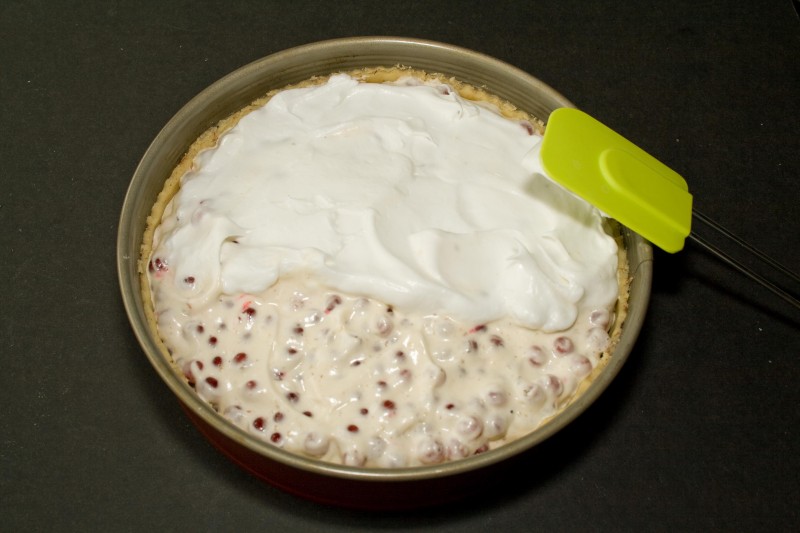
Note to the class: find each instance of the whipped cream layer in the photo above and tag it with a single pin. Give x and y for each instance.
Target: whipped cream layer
(405, 193)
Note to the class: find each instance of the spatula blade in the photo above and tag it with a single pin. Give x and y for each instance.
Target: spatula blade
(616, 176)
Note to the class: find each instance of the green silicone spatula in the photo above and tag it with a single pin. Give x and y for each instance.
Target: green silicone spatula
(619, 178)
(628, 184)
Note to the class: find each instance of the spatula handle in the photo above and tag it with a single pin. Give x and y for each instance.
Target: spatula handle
(758, 278)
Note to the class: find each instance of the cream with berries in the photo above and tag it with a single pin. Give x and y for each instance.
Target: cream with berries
(380, 274)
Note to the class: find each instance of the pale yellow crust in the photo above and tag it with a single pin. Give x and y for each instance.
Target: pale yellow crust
(210, 138)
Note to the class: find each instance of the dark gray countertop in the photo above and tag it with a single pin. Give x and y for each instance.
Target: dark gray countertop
(698, 432)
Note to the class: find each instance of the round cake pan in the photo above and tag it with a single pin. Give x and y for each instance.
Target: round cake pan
(324, 482)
